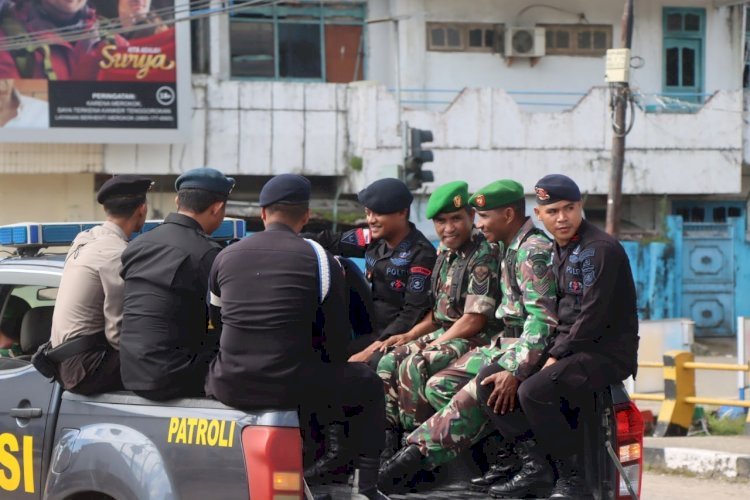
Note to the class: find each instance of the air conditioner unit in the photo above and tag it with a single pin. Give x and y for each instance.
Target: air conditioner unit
(524, 42)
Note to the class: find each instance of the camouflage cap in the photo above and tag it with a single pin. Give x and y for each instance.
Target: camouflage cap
(497, 194)
(448, 198)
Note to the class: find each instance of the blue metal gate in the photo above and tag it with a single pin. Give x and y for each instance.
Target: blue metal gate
(708, 277)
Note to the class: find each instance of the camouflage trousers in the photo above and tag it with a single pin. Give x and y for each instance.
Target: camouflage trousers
(405, 372)
(460, 421)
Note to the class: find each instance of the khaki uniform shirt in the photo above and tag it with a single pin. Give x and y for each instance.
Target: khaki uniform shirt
(91, 290)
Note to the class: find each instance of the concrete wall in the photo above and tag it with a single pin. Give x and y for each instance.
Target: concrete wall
(484, 135)
(439, 70)
(50, 197)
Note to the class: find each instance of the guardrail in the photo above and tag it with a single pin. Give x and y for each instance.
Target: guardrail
(679, 399)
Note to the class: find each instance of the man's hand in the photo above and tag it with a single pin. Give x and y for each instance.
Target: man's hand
(503, 397)
(550, 361)
(364, 355)
(394, 341)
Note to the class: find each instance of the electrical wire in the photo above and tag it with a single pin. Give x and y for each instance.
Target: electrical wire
(195, 10)
(580, 15)
(624, 98)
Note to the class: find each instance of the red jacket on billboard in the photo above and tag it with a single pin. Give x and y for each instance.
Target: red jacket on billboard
(147, 59)
(52, 56)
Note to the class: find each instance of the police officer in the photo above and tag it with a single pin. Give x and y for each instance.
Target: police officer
(528, 313)
(465, 293)
(398, 258)
(284, 337)
(88, 312)
(595, 345)
(164, 346)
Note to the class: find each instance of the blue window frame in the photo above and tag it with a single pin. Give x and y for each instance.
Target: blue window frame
(684, 53)
(288, 41)
(708, 211)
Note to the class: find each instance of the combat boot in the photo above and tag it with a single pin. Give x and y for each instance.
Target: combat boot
(506, 465)
(570, 482)
(334, 458)
(399, 468)
(533, 480)
(365, 486)
(392, 445)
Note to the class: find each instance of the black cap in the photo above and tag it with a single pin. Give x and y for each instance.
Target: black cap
(207, 179)
(124, 185)
(291, 189)
(556, 187)
(386, 196)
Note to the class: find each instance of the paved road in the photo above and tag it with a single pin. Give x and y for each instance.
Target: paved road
(658, 486)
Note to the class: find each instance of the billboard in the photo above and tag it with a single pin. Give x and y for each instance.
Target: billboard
(94, 71)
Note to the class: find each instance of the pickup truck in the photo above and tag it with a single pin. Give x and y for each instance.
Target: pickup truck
(61, 446)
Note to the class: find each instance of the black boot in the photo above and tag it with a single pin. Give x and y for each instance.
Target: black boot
(505, 466)
(533, 480)
(392, 445)
(366, 480)
(402, 466)
(570, 482)
(333, 460)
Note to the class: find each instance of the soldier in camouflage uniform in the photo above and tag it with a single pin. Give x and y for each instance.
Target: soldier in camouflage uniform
(465, 293)
(528, 312)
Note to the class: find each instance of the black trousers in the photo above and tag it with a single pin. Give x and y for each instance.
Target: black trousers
(352, 393)
(188, 383)
(92, 372)
(551, 401)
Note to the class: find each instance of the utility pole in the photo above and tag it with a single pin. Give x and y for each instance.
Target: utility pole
(620, 100)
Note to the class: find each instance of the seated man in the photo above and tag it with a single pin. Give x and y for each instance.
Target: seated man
(528, 312)
(10, 327)
(398, 260)
(595, 345)
(88, 311)
(465, 292)
(165, 348)
(284, 338)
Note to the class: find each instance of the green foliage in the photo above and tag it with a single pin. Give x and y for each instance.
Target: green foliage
(355, 163)
(725, 427)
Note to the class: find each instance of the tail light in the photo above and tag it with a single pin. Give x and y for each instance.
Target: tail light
(273, 459)
(629, 447)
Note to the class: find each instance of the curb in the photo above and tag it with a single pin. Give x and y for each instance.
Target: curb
(697, 461)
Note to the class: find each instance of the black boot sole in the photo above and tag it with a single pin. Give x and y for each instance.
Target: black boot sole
(530, 493)
(480, 489)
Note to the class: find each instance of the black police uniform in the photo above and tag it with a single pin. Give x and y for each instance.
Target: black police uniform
(164, 345)
(400, 276)
(280, 347)
(596, 343)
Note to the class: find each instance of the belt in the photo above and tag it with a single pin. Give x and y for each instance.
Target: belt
(78, 345)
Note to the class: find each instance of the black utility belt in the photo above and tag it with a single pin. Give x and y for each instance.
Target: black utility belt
(78, 345)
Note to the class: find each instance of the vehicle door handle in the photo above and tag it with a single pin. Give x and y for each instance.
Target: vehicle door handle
(25, 412)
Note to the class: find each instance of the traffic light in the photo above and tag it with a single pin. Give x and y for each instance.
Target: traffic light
(414, 176)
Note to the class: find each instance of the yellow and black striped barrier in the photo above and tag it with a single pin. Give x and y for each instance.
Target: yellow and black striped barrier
(679, 399)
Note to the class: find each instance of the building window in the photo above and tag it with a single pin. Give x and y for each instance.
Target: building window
(464, 37)
(306, 40)
(684, 31)
(578, 39)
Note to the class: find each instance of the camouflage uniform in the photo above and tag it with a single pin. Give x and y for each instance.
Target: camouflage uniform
(406, 369)
(460, 421)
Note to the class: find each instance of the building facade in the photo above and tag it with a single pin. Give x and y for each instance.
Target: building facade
(509, 88)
